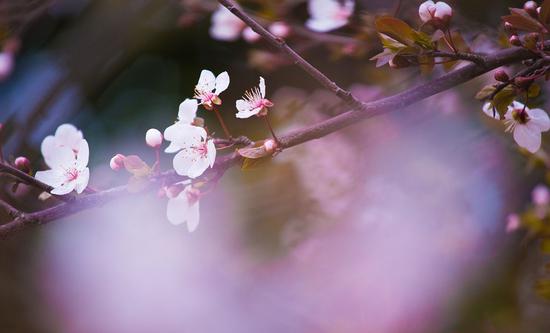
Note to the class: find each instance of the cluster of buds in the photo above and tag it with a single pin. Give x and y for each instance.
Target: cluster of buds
(530, 39)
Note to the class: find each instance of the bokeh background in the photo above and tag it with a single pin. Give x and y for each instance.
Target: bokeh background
(396, 224)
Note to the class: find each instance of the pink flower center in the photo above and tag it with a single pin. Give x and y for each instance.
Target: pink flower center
(71, 174)
(206, 97)
(201, 150)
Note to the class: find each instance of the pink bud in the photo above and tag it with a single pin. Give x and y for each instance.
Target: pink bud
(513, 223)
(22, 163)
(250, 35)
(117, 162)
(6, 65)
(270, 145)
(280, 29)
(540, 195)
(153, 137)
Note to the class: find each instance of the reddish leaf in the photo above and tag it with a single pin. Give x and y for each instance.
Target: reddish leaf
(135, 165)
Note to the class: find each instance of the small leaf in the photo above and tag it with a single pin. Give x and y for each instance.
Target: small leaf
(396, 29)
(252, 163)
(534, 90)
(253, 152)
(503, 99)
(485, 92)
(521, 20)
(135, 165)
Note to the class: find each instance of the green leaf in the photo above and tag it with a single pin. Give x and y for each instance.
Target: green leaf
(485, 92)
(423, 40)
(545, 245)
(503, 99)
(534, 90)
(390, 43)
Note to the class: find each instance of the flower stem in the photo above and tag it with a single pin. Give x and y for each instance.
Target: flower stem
(449, 40)
(271, 129)
(220, 119)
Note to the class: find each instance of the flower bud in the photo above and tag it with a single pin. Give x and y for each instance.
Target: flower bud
(502, 76)
(250, 35)
(117, 162)
(280, 29)
(540, 195)
(510, 28)
(23, 164)
(514, 40)
(513, 222)
(531, 8)
(270, 145)
(439, 14)
(523, 82)
(153, 138)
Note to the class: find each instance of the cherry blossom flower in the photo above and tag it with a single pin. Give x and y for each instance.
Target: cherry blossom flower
(526, 125)
(430, 11)
(195, 153)
(184, 208)
(68, 171)
(209, 88)
(513, 223)
(327, 15)
(153, 138)
(540, 195)
(66, 135)
(253, 102)
(225, 26)
(279, 29)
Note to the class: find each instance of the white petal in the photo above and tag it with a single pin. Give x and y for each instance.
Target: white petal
(443, 10)
(198, 167)
(183, 161)
(211, 152)
(242, 105)
(68, 135)
(187, 111)
(82, 180)
(83, 154)
(183, 135)
(527, 138)
(193, 216)
(54, 178)
(207, 81)
(62, 158)
(490, 111)
(176, 210)
(47, 148)
(225, 26)
(64, 188)
(262, 86)
(516, 105)
(248, 113)
(325, 25)
(323, 8)
(423, 11)
(539, 118)
(222, 82)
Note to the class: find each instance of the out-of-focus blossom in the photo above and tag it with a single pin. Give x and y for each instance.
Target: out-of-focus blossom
(195, 153)
(250, 35)
(540, 195)
(209, 88)
(117, 162)
(527, 125)
(439, 11)
(66, 135)
(6, 65)
(279, 29)
(184, 208)
(23, 164)
(327, 15)
(490, 111)
(270, 145)
(153, 138)
(253, 102)
(225, 26)
(513, 222)
(68, 171)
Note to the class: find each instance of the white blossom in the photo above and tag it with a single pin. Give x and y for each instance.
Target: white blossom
(490, 111)
(66, 135)
(253, 102)
(250, 35)
(68, 171)
(526, 125)
(195, 152)
(184, 208)
(429, 11)
(327, 15)
(187, 111)
(225, 25)
(209, 88)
